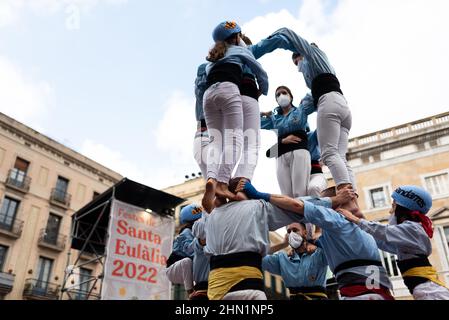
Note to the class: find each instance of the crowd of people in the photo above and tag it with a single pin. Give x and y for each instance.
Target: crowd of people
(223, 247)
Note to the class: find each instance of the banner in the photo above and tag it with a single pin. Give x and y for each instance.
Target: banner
(138, 247)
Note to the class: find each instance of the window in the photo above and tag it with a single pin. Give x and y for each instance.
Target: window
(389, 261)
(437, 184)
(84, 284)
(44, 272)
(52, 229)
(8, 213)
(3, 251)
(18, 174)
(378, 197)
(62, 185)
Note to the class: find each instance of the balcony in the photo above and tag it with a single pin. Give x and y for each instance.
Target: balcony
(52, 241)
(60, 198)
(40, 290)
(6, 283)
(82, 295)
(9, 227)
(18, 181)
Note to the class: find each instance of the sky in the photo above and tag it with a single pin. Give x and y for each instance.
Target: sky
(113, 79)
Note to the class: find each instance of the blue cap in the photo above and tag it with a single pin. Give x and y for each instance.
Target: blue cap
(413, 198)
(190, 213)
(224, 30)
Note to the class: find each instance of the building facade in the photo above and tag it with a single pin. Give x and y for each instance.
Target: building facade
(42, 183)
(415, 153)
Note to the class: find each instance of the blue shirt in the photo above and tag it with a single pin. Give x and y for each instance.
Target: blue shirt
(314, 148)
(341, 240)
(407, 240)
(183, 243)
(201, 266)
(295, 120)
(244, 57)
(200, 88)
(299, 270)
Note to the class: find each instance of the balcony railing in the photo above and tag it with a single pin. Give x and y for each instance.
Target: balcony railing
(82, 295)
(52, 241)
(6, 283)
(10, 227)
(36, 289)
(18, 181)
(60, 198)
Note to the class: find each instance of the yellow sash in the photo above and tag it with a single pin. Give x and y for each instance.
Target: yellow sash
(223, 279)
(311, 295)
(425, 272)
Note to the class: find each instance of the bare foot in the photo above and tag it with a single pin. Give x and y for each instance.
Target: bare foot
(223, 191)
(209, 195)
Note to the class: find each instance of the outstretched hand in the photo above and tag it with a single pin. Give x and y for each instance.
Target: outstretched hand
(349, 216)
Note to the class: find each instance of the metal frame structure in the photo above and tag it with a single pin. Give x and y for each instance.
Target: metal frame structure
(89, 233)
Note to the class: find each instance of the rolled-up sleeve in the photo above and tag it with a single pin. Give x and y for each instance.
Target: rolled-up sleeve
(323, 217)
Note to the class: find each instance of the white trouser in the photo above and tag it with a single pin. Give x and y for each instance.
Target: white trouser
(317, 184)
(181, 272)
(200, 147)
(370, 296)
(246, 295)
(430, 291)
(224, 120)
(334, 121)
(251, 138)
(293, 173)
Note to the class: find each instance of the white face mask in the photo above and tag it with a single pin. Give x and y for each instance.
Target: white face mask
(284, 100)
(301, 65)
(295, 240)
(242, 43)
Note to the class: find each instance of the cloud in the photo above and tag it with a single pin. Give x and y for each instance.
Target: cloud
(175, 132)
(115, 160)
(22, 97)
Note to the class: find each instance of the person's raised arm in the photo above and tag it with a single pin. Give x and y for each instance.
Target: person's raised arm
(290, 204)
(389, 236)
(277, 247)
(296, 43)
(273, 42)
